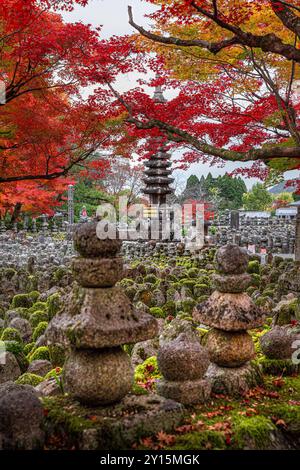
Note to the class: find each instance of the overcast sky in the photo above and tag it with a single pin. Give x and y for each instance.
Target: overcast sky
(112, 15)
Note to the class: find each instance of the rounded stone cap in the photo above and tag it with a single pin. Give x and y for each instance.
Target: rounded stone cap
(88, 245)
(231, 259)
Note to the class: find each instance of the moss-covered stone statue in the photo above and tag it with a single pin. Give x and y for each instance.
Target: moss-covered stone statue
(98, 319)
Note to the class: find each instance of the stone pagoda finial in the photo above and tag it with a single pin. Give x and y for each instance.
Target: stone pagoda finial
(97, 321)
(230, 312)
(158, 96)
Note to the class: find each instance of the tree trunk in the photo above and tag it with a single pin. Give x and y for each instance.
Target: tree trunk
(16, 212)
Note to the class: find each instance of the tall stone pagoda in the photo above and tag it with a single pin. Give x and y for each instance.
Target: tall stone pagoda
(158, 168)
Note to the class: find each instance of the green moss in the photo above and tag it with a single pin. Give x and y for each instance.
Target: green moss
(290, 414)
(151, 278)
(28, 348)
(59, 273)
(202, 298)
(277, 366)
(138, 390)
(40, 353)
(250, 290)
(17, 350)
(38, 317)
(29, 379)
(22, 300)
(9, 273)
(11, 334)
(53, 373)
(253, 267)
(193, 272)
(210, 440)
(39, 330)
(60, 415)
(126, 282)
(255, 280)
(169, 308)
(38, 306)
(189, 283)
(202, 332)
(131, 291)
(253, 432)
(147, 370)
(23, 312)
(157, 312)
(54, 304)
(201, 289)
(57, 354)
(188, 305)
(34, 295)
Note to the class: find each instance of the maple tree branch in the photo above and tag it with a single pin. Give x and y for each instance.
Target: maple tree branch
(267, 43)
(213, 47)
(286, 16)
(180, 136)
(288, 4)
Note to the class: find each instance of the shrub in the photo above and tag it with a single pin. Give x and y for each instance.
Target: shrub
(22, 300)
(29, 379)
(38, 317)
(40, 353)
(11, 334)
(39, 330)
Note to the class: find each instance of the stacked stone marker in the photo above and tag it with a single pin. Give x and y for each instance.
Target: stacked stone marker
(230, 312)
(97, 321)
(183, 362)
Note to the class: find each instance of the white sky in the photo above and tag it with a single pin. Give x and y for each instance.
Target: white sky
(112, 15)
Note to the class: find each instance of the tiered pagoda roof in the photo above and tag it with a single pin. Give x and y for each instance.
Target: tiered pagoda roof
(158, 168)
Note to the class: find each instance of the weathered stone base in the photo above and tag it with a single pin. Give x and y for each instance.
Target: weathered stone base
(233, 381)
(114, 427)
(98, 377)
(188, 392)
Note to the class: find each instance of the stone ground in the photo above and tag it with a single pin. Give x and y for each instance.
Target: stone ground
(267, 417)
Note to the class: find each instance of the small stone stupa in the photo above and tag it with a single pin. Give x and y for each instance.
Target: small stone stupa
(183, 362)
(97, 321)
(230, 312)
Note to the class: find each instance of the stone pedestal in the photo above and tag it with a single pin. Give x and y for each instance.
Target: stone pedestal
(230, 313)
(97, 320)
